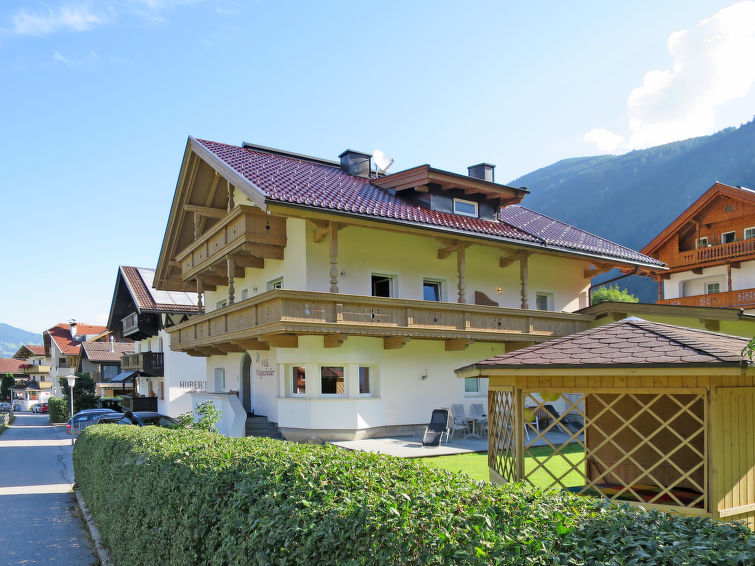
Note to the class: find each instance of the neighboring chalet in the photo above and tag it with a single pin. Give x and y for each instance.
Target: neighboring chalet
(102, 361)
(35, 364)
(63, 348)
(337, 301)
(710, 251)
(158, 376)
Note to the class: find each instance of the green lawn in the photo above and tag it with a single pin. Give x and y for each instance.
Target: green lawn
(475, 465)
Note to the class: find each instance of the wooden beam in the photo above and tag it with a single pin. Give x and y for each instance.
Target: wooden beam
(524, 275)
(507, 260)
(394, 342)
(461, 269)
(736, 264)
(697, 271)
(248, 261)
(251, 344)
(446, 251)
(282, 340)
(263, 250)
(205, 211)
(333, 340)
(333, 257)
(455, 344)
(210, 198)
(321, 229)
(211, 351)
(196, 353)
(230, 347)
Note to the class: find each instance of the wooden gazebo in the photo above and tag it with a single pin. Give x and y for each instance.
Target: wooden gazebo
(652, 414)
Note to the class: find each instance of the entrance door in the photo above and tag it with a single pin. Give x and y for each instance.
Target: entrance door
(246, 383)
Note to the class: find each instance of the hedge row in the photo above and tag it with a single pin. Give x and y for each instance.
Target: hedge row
(57, 408)
(191, 497)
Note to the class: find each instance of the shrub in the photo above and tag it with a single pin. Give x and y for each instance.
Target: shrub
(180, 497)
(612, 294)
(204, 417)
(58, 409)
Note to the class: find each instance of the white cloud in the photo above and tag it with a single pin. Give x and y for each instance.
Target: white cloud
(56, 56)
(712, 64)
(73, 17)
(606, 140)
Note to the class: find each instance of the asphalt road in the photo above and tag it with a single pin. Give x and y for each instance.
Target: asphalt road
(39, 520)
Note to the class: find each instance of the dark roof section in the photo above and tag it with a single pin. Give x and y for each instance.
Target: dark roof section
(632, 342)
(312, 183)
(100, 351)
(148, 299)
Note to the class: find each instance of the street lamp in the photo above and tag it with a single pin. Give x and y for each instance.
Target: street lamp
(71, 383)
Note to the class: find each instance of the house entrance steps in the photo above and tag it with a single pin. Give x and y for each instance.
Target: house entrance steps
(258, 425)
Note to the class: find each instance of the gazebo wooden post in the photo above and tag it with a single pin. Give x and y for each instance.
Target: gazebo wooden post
(519, 433)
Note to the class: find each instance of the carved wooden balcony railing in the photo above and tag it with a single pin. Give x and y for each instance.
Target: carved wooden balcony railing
(723, 252)
(148, 362)
(277, 317)
(741, 298)
(245, 235)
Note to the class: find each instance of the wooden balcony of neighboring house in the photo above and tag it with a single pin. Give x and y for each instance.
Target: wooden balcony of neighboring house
(739, 250)
(33, 369)
(744, 298)
(137, 326)
(278, 317)
(243, 237)
(151, 363)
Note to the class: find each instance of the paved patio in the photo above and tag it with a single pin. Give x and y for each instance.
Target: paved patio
(411, 446)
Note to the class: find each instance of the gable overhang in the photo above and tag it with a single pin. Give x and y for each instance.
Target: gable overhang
(597, 370)
(195, 156)
(717, 190)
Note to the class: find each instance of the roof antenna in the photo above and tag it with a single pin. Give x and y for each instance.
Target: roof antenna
(381, 161)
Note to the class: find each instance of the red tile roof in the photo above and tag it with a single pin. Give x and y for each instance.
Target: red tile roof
(631, 342)
(100, 351)
(147, 298)
(319, 184)
(61, 335)
(28, 350)
(36, 350)
(10, 365)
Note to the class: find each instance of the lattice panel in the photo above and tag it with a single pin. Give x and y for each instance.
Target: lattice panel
(501, 446)
(545, 414)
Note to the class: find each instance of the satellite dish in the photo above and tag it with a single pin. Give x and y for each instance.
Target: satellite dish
(381, 161)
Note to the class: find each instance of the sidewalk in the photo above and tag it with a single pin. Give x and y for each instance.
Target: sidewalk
(39, 522)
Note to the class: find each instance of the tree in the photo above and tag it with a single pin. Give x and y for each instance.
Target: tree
(5, 386)
(84, 396)
(612, 294)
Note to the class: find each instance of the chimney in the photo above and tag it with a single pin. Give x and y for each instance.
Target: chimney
(74, 326)
(484, 171)
(356, 163)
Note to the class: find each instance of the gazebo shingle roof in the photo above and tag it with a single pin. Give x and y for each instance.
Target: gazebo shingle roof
(630, 342)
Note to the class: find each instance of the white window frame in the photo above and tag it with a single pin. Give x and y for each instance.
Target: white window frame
(345, 381)
(751, 230)
(441, 288)
(219, 380)
(221, 304)
(703, 242)
(276, 283)
(244, 294)
(734, 234)
(476, 212)
(291, 369)
(393, 288)
(371, 378)
(470, 393)
(707, 287)
(550, 300)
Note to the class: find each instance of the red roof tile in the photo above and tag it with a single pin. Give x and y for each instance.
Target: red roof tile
(318, 184)
(630, 342)
(61, 335)
(10, 365)
(36, 350)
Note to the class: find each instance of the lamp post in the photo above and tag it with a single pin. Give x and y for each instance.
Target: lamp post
(71, 383)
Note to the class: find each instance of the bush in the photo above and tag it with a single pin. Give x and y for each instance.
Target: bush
(612, 294)
(204, 417)
(59, 410)
(179, 497)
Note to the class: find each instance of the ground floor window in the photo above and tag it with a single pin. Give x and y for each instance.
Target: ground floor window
(364, 381)
(431, 290)
(472, 385)
(298, 380)
(331, 380)
(544, 301)
(219, 379)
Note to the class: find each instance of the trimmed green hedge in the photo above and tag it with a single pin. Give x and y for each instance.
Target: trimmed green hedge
(57, 408)
(187, 497)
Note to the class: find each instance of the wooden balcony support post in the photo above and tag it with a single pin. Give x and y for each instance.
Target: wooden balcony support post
(230, 264)
(524, 275)
(200, 292)
(231, 204)
(461, 269)
(333, 229)
(728, 277)
(197, 229)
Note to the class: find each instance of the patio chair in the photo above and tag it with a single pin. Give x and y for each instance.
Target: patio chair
(459, 414)
(456, 422)
(478, 410)
(437, 428)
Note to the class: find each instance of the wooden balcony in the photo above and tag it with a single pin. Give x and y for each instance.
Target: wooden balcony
(137, 326)
(246, 235)
(31, 368)
(147, 362)
(735, 299)
(738, 250)
(277, 318)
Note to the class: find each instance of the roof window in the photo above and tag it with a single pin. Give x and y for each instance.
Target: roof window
(465, 207)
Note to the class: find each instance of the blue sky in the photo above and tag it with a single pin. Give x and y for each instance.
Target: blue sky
(97, 100)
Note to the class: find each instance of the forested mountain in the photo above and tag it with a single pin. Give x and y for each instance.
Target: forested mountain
(630, 198)
(12, 338)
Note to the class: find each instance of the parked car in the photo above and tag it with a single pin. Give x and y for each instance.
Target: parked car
(84, 418)
(5, 406)
(36, 408)
(44, 408)
(138, 418)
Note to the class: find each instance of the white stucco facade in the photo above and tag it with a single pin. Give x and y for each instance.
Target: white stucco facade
(688, 284)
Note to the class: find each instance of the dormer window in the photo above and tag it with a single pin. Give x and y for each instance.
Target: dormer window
(465, 207)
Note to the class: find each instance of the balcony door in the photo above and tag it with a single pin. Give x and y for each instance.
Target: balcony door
(246, 383)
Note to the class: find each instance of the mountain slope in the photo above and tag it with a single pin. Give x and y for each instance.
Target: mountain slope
(630, 198)
(12, 338)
